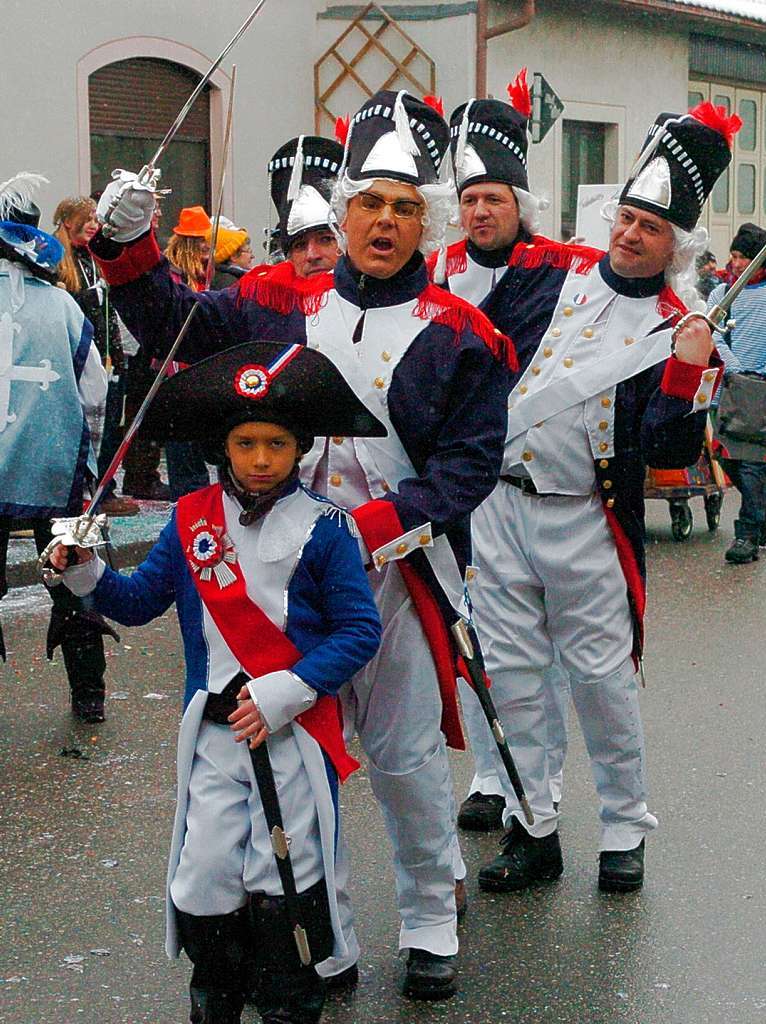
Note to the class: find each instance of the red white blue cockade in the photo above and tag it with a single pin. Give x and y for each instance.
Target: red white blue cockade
(209, 551)
(254, 380)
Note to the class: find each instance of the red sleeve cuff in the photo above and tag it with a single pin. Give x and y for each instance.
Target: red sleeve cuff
(135, 259)
(687, 380)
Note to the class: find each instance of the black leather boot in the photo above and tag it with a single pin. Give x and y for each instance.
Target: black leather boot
(286, 991)
(480, 813)
(430, 976)
(525, 861)
(220, 947)
(621, 870)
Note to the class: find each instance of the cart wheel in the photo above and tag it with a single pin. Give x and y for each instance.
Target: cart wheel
(713, 504)
(681, 520)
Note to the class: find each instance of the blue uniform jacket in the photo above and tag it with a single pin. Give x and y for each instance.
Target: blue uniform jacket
(331, 619)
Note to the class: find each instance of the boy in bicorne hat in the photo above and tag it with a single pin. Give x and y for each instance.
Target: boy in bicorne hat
(276, 614)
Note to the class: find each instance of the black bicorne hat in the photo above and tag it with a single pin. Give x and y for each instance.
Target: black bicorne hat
(292, 385)
(301, 175)
(395, 135)
(680, 161)
(488, 139)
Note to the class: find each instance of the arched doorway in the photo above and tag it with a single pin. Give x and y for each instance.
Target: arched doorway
(132, 103)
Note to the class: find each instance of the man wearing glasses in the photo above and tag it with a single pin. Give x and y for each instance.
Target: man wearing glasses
(433, 368)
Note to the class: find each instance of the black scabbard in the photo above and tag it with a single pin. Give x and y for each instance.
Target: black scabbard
(267, 788)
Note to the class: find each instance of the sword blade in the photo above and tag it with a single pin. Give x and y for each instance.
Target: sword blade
(130, 433)
(210, 268)
(183, 113)
(719, 312)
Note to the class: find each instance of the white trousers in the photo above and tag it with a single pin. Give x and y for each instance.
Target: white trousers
(482, 744)
(396, 706)
(227, 852)
(550, 578)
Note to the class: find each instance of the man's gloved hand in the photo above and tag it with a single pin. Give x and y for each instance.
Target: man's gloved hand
(126, 206)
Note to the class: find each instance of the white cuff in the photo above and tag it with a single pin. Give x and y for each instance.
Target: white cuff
(400, 547)
(705, 391)
(281, 696)
(82, 579)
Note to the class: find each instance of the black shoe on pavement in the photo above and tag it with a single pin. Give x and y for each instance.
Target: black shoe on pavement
(344, 981)
(88, 709)
(744, 549)
(525, 861)
(621, 870)
(480, 813)
(430, 976)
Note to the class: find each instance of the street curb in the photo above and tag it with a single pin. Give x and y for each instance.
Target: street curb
(24, 574)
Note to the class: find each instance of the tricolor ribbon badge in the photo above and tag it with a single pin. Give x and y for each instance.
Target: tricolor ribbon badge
(209, 551)
(254, 381)
(580, 299)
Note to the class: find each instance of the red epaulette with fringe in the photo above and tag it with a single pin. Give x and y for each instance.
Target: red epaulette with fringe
(457, 260)
(442, 307)
(280, 289)
(669, 304)
(542, 251)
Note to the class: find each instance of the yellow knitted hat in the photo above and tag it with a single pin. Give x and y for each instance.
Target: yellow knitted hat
(227, 243)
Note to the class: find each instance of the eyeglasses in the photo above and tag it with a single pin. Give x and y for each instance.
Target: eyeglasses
(403, 209)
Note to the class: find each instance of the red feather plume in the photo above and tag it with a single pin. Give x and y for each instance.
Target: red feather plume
(518, 90)
(341, 129)
(716, 118)
(436, 102)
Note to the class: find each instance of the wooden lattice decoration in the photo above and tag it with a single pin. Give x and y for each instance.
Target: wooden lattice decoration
(362, 61)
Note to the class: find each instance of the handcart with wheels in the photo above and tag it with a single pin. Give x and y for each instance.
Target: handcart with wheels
(705, 479)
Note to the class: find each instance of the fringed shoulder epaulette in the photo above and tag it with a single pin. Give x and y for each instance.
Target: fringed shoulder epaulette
(669, 304)
(542, 251)
(280, 289)
(457, 260)
(341, 517)
(442, 307)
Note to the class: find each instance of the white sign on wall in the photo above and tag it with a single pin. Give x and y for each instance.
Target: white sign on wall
(591, 227)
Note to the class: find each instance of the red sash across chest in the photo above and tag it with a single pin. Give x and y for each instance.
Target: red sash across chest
(254, 640)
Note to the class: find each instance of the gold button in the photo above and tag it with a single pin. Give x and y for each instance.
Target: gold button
(386, 356)
(381, 560)
(588, 332)
(610, 502)
(604, 464)
(336, 479)
(603, 447)
(536, 370)
(337, 440)
(603, 425)
(424, 538)
(709, 375)
(607, 484)
(567, 311)
(629, 341)
(401, 549)
(523, 389)
(547, 352)
(702, 398)
(538, 425)
(470, 575)
(606, 402)
(568, 362)
(379, 382)
(556, 332)
(527, 456)
(386, 488)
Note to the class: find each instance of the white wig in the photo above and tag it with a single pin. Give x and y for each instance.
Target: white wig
(529, 208)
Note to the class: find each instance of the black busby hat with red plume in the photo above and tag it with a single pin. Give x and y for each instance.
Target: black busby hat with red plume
(680, 161)
(488, 138)
(395, 135)
(301, 175)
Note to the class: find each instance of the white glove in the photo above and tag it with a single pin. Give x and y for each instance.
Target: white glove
(127, 204)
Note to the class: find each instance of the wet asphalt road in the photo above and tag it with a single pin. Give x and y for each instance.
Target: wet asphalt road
(83, 839)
